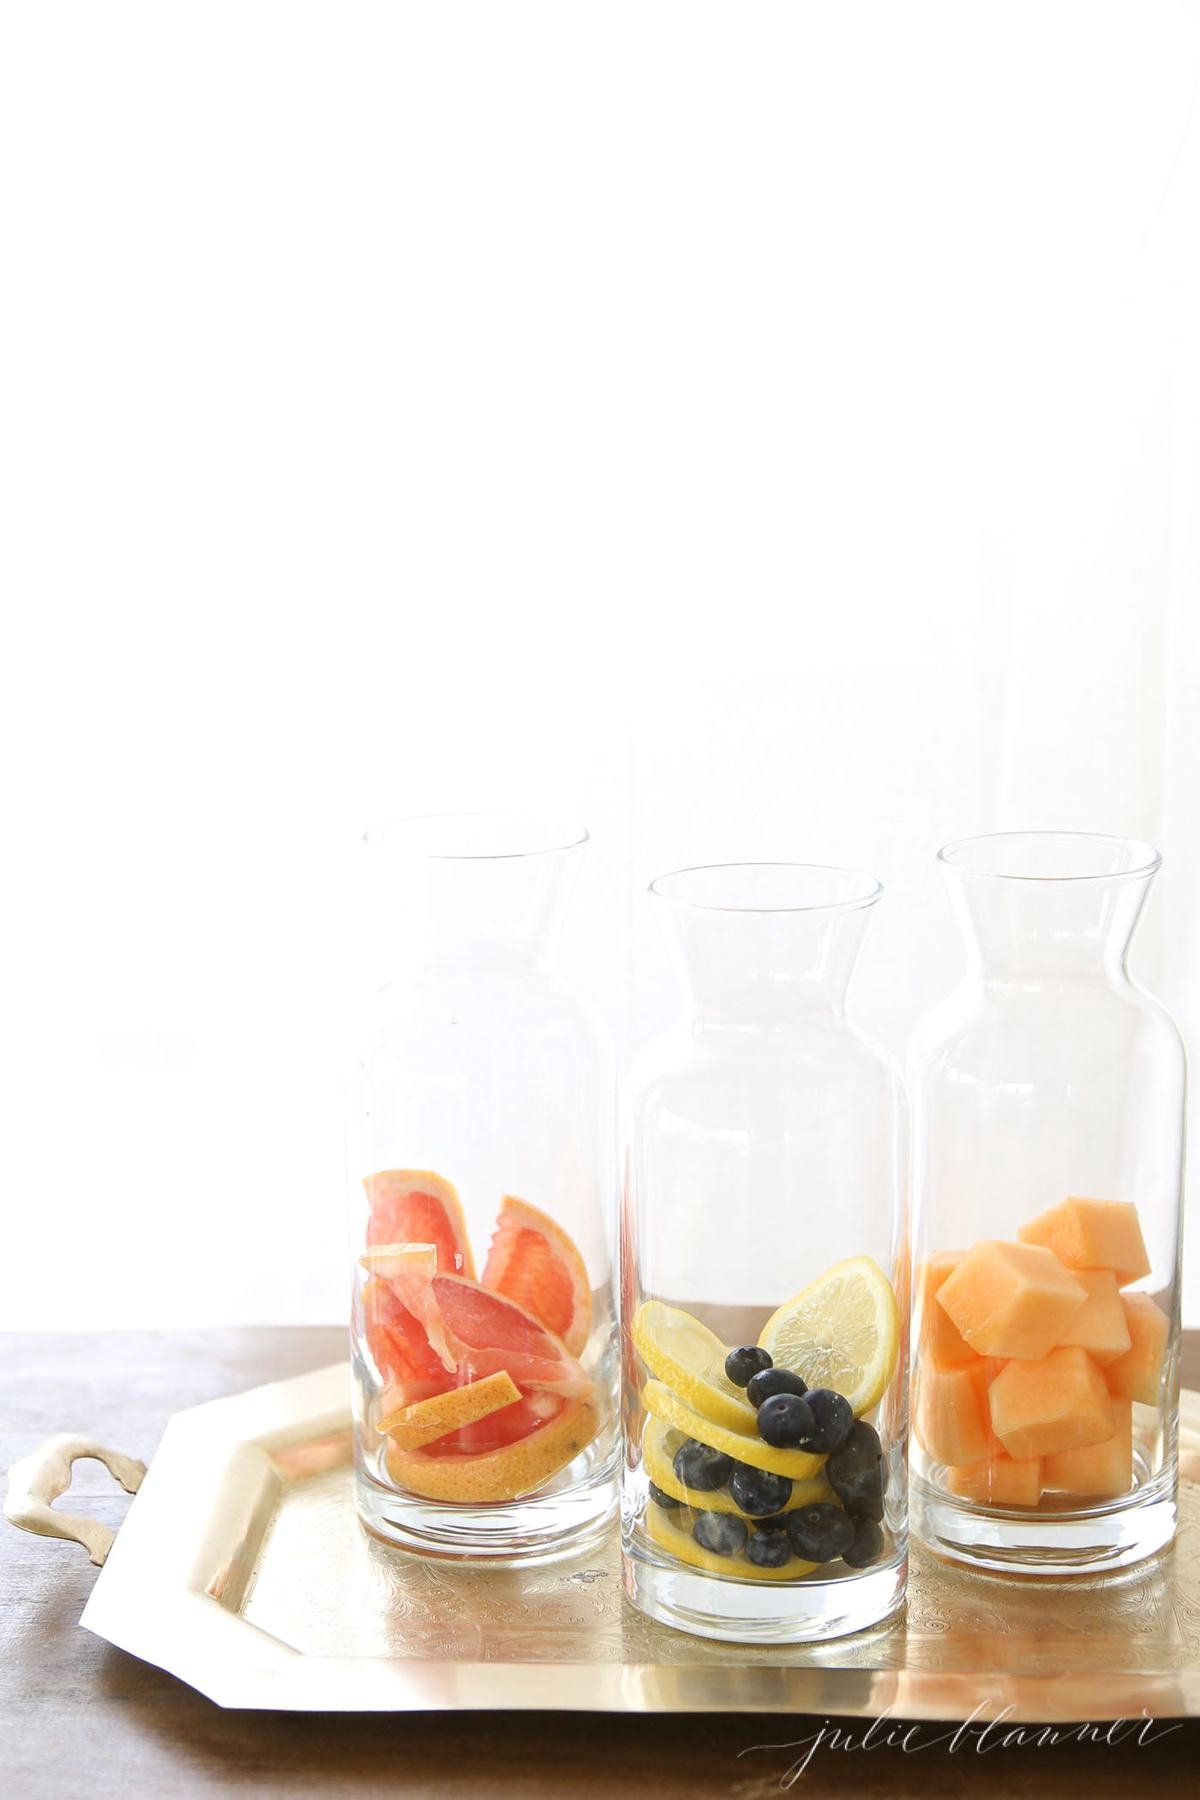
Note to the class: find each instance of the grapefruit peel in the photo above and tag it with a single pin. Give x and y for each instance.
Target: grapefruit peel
(411, 1427)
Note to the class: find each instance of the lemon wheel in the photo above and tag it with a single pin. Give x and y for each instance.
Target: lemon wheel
(661, 1403)
(683, 1546)
(840, 1332)
(659, 1444)
(683, 1352)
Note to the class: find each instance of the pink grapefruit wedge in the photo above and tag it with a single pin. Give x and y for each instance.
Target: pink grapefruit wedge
(415, 1206)
(534, 1262)
(553, 1408)
(503, 1471)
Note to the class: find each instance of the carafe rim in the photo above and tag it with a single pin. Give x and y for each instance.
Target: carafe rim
(474, 836)
(977, 857)
(697, 888)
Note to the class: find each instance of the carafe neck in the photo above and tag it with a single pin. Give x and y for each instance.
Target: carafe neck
(1049, 906)
(472, 891)
(757, 942)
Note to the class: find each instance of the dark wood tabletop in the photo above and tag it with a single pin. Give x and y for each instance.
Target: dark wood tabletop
(78, 1717)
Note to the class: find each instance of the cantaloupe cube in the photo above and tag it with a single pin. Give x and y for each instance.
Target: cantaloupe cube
(983, 1370)
(1099, 1326)
(1097, 1471)
(1137, 1375)
(941, 1344)
(951, 1418)
(1092, 1234)
(1000, 1481)
(1010, 1299)
(1059, 1403)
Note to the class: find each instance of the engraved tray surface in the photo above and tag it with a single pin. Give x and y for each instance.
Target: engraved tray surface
(241, 1568)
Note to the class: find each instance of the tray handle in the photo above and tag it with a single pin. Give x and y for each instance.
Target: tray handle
(38, 1479)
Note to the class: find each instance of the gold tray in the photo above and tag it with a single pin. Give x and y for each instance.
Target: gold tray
(241, 1568)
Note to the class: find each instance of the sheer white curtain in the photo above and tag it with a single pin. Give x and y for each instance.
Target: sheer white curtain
(758, 431)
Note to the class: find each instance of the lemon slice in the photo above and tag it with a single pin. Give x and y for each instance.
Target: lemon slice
(840, 1332)
(690, 1358)
(683, 1546)
(662, 1404)
(659, 1444)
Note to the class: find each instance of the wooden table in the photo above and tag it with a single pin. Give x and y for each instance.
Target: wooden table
(80, 1718)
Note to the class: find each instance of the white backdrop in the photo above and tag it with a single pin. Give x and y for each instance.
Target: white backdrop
(760, 431)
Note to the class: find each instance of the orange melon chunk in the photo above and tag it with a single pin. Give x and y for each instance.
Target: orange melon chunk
(1057, 1403)
(1099, 1471)
(1138, 1374)
(1010, 1299)
(1000, 1481)
(427, 1420)
(1099, 1326)
(951, 1416)
(941, 1343)
(1092, 1234)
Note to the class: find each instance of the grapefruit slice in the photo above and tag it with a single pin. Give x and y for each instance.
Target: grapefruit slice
(544, 1374)
(484, 1320)
(409, 1270)
(392, 1260)
(534, 1262)
(527, 1414)
(399, 1346)
(415, 1206)
(413, 1426)
(501, 1473)
(488, 1335)
(484, 1333)
(488, 1331)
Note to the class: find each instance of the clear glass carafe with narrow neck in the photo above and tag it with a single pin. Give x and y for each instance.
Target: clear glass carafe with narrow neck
(1048, 1095)
(762, 1251)
(483, 1185)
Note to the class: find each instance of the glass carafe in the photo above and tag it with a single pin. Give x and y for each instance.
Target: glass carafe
(763, 1246)
(1048, 1095)
(483, 1184)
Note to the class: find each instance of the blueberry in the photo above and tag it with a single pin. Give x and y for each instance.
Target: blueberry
(857, 1475)
(784, 1421)
(757, 1492)
(835, 1421)
(741, 1365)
(867, 1545)
(769, 1549)
(723, 1533)
(700, 1467)
(820, 1533)
(662, 1499)
(869, 1507)
(773, 1381)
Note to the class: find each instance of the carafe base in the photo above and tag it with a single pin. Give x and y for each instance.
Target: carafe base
(1079, 1543)
(761, 1612)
